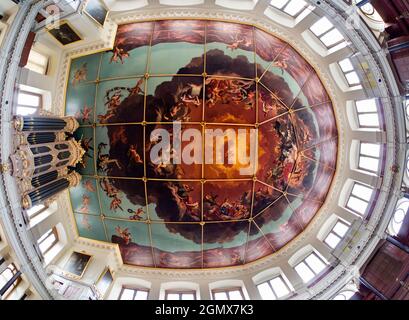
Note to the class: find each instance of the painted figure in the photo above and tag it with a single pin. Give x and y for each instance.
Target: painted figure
(85, 115)
(136, 215)
(80, 74)
(88, 185)
(85, 204)
(124, 234)
(103, 160)
(119, 54)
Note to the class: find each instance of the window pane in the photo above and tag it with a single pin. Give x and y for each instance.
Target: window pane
(35, 209)
(315, 263)
(370, 149)
(37, 62)
(362, 192)
(370, 164)
(340, 229)
(141, 295)
(37, 58)
(28, 100)
(295, 7)
(321, 26)
(352, 78)
(265, 291)
(346, 65)
(304, 272)
(220, 296)
(332, 37)
(188, 296)
(127, 294)
(36, 68)
(25, 111)
(332, 240)
(279, 287)
(357, 205)
(235, 295)
(173, 296)
(368, 119)
(47, 243)
(45, 235)
(278, 3)
(368, 105)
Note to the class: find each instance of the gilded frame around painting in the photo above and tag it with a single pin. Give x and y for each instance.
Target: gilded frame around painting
(91, 15)
(106, 271)
(82, 259)
(61, 23)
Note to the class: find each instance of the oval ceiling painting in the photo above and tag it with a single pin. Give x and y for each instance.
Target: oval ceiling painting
(209, 144)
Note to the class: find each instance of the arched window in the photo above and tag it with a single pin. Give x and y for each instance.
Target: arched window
(367, 112)
(180, 295)
(131, 293)
(291, 7)
(28, 103)
(37, 62)
(359, 198)
(310, 267)
(274, 289)
(235, 293)
(48, 240)
(349, 72)
(336, 234)
(326, 32)
(369, 154)
(35, 210)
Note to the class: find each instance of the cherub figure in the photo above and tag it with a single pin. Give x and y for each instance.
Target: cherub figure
(137, 89)
(88, 185)
(108, 187)
(124, 234)
(134, 155)
(235, 44)
(85, 114)
(119, 54)
(80, 74)
(137, 215)
(85, 222)
(115, 101)
(282, 64)
(85, 204)
(103, 160)
(116, 204)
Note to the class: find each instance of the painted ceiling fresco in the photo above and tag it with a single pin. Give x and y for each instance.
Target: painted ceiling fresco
(204, 75)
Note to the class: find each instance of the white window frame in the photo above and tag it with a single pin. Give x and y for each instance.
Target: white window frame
(227, 291)
(286, 5)
(50, 233)
(34, 65)
(362, 156)
(335, 233)
(349, 71)
(357, 196)
(321, 35)
(35, 108)
(364, 113)
(135, 292)
(180, 293)
(304, 261)
(268, 282)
